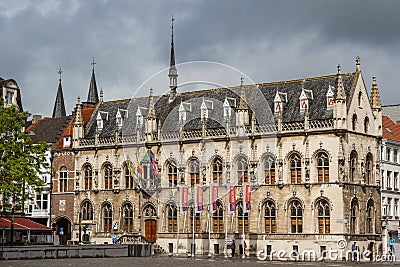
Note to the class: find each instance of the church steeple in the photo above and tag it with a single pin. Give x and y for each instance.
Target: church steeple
(173, 72)
(93, 96)
(59, 106)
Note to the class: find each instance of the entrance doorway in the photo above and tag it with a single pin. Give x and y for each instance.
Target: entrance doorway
(150, 230)
(63, 230)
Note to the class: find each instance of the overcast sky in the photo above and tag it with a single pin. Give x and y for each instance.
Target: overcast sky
(265, 41)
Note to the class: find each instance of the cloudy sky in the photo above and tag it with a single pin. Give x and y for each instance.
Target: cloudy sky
(264, 41)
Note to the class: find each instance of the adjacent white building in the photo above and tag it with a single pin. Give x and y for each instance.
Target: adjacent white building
(390, 180)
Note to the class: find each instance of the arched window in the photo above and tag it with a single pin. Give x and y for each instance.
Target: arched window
(353, 166)
(270, 217)
(107, 174)
(88, 177)
(217, 171)
(63, 179)
(128, 174)
(172, 216)
(127, 211)
(87, 210)
(196, 221)
(354, 122)
(194, 170)
(359, 99)
(324, 216)
(242, 171)
(172, 175)
(269, 170)
(296, 216)
(368, 169)
(242, 218)
(370, 217)
(354, 208)
(107, 217)
(366, 125)
(218, 218)
(323, 168)
(295, 169)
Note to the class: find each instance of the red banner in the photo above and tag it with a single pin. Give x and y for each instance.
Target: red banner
(199, 198)
(247, 197)
(184, 198)
(214, 197)
(232, 198)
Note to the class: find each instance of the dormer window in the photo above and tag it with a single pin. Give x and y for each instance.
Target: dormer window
(205, 106)
(183, 109)
(227, 106)
(279, 99)
(122, 114)
(67, 141)
(304, 97)
(329, 97)
(101, 117)
(140, 113)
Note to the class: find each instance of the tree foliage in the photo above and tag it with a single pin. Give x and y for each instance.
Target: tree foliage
(21, 161)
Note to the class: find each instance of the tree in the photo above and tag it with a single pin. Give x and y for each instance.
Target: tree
(21, 161)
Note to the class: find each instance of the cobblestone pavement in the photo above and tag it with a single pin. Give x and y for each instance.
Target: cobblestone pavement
(172, 262)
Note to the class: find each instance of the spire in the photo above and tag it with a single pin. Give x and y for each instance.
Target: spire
(59, 106)
(242, 103)
(339, 92)
(375, 100)
(93, 97)
(172, 62)
(152, 109)
(172, 73)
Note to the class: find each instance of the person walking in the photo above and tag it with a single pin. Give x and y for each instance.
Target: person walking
(233, 247)
(244, 248)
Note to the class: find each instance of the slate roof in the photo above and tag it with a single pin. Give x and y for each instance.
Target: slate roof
(260, 99)
(391, 111)
(48, 130)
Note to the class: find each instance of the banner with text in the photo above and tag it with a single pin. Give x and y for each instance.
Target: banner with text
(198, 198)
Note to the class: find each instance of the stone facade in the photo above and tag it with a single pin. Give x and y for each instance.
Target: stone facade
(309, 149)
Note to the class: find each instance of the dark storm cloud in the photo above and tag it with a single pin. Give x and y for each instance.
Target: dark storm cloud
(267, 40)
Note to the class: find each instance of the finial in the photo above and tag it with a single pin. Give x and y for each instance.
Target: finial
(241, 81)
(374, 80)
(358, 61)
(101, 92)
(79, 100)
(338, 68)
(93, 63)
(151, 91)
(59, 72)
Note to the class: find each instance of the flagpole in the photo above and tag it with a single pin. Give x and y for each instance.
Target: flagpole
(226, 224)
(243, 205)
(193, 248)
(209, 220)
(179, 217)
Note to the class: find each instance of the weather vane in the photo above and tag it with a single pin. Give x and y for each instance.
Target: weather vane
(59, 72)
(93, 63)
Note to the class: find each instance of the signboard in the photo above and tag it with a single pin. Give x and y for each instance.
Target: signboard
(115, 226)
(213, 198)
